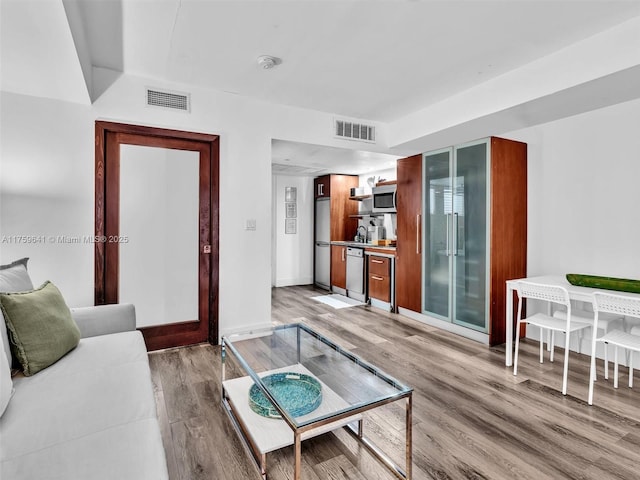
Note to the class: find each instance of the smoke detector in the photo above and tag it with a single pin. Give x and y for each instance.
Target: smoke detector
(266, 61)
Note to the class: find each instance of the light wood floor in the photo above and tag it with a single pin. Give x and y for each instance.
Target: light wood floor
(471, 417)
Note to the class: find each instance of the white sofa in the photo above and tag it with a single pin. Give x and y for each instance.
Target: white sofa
(92, 414)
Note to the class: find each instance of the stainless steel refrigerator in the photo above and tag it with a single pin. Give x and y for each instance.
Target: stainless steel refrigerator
(323, 245)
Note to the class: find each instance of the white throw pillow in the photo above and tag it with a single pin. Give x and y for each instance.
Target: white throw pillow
(14, 277)
(6, 384)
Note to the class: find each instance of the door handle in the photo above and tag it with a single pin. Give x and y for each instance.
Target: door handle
(375, 277)
(373, 260)
(455, 234)
(447, 246)
(418, 234)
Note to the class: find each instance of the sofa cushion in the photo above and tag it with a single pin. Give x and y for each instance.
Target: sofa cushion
(103, 383)
(125, 452)
(40, 326)
(90, 415)
(14, 277)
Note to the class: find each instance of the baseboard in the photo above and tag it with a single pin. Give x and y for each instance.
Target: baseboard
(245, 329)
(338, 290)
(449, 327)
(289, 282)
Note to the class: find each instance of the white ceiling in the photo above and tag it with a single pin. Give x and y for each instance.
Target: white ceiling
(375, 60)
(302, 159)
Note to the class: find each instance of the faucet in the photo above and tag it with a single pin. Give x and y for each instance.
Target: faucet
(362, 238)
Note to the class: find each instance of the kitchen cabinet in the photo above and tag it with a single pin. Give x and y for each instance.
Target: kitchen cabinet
(408, 269)
(379, 269)
(334, 220)
(336, 190)
(339, 266)
(322, 186)
(475, 232)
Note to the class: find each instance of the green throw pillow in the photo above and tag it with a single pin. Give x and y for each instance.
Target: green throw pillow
(40, 326)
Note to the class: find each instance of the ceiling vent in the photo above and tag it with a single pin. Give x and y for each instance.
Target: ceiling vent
(164, 99)
(355, 131)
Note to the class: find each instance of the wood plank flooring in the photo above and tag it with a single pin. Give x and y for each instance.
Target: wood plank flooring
(472, 419)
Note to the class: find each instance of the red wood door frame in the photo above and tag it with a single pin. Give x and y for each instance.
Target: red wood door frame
(109, 136)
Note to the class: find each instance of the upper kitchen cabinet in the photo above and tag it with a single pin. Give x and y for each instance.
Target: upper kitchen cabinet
(408, 233)
(475, 232)
(336, 189)
(322, 186)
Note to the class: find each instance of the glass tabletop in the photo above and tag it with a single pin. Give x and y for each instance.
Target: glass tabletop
(295, 352)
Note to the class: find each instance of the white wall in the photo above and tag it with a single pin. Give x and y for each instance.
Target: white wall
(47, 177)
(583, 198)
(583, 193)
(46, 191)
(293, 253)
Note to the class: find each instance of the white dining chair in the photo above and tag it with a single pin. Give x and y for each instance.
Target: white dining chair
(606, 322)
(630, 341)
(555, 295)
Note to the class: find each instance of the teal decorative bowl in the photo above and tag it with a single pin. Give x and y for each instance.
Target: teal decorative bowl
(298, 393)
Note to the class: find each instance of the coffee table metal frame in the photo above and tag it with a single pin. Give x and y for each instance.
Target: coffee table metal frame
(342, 418)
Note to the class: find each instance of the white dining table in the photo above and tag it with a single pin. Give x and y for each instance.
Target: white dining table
(583, 294)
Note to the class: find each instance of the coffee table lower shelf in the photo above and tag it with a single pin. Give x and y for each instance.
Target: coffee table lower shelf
(263, 435)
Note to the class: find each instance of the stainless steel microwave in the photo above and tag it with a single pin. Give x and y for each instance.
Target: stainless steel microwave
(384, 199)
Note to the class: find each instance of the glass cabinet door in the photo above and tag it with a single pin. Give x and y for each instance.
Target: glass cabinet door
(469, 232)
(437, 249)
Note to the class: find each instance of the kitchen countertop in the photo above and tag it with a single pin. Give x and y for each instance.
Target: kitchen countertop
(366, 246)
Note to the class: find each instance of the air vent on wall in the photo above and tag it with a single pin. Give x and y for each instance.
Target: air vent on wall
(355, 131)
(164, 99)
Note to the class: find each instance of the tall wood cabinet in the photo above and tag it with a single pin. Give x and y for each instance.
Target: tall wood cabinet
(409, 242)
(333, 222)
(474, 232)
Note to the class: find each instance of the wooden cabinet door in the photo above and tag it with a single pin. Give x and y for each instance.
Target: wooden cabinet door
(339, 266)
(508, 227)
(409, 230)
(322, 187)
(379, 278)
(343, 226)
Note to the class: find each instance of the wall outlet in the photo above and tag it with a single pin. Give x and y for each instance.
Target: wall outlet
(251, 224)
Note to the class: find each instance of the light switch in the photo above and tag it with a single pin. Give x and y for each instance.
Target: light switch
(251, 224)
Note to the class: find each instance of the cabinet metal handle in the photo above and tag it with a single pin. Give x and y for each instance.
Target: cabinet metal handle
(375, 277)
(418, 233)
(446, 249)
(373, 260)
(343, 249)
(455, 234)
(320, 188)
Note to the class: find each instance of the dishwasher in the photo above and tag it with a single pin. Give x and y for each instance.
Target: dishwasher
(355, 273)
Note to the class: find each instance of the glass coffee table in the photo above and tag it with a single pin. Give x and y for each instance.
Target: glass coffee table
(290, 383)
